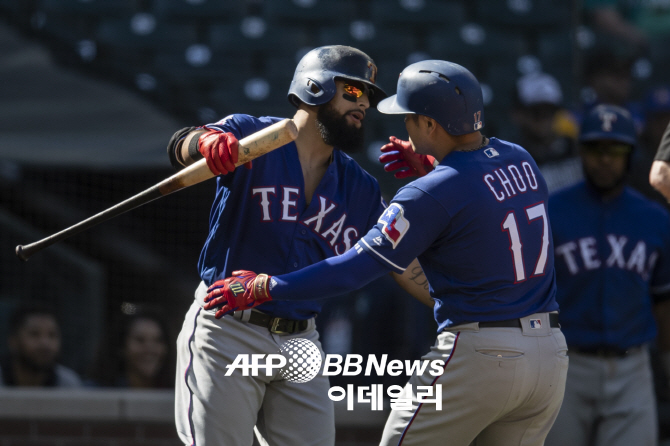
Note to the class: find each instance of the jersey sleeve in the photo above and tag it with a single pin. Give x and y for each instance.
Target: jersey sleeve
(409, 225)
(663, 153)
(234, 124)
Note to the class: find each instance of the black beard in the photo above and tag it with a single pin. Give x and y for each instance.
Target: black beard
(337, 132)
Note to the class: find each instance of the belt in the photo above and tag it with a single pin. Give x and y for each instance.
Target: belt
(604, 352)
(277, 325)
(516, 323)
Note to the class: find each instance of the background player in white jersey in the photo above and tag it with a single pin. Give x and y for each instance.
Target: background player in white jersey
(299, 204)
(478, 225)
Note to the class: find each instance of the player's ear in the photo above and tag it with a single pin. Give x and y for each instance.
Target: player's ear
(431, 125)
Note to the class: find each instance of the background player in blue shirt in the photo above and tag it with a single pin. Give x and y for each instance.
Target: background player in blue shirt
(612, 249)
(478, 224)
(299, 204)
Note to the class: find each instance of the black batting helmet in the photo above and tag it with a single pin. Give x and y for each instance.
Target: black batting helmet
(314, 79)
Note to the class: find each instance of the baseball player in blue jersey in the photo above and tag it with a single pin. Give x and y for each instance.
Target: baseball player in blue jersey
(299, 204)
(612, 248)
(478, 224)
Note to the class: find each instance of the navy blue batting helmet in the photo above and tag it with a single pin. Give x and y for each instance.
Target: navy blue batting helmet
(444, 91)
(608, 122)
(314, 79)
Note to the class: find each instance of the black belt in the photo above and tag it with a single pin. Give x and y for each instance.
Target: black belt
(277, 325)
(604, 352)
(516, 323)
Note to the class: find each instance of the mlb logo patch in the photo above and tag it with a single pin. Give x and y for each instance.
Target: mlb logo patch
(535, 323)
(491, 152)
(394, 223)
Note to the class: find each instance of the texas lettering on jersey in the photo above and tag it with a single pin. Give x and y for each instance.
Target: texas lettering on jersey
(585, 249)
(328, 223)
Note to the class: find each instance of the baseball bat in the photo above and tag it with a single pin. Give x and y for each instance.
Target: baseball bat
(251, 147)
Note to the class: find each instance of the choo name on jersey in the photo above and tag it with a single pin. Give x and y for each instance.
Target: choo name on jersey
(583, 254)
(328, 223)
(507, 182)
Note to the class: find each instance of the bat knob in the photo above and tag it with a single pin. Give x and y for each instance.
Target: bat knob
(20, 254)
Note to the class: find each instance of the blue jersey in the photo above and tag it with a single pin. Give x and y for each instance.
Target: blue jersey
(612, 257)
(478, 225)
(260, 220)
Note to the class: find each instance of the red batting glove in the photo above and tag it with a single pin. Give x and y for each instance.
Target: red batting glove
(398, 154)
(220, 150)
(244, 290)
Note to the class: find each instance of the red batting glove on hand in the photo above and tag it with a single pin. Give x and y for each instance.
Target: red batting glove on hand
(399, 155)
(244, 290)
(220, 150)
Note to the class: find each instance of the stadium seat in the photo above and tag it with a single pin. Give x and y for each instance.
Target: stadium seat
(215, 67)
(368, 37)
(501, 78)
(423, 12)
(525, 13)
(255, 34)
(101, 8)
(555, 48)
(311, 12)
(211, 9)
(255, 94)
(145, 32)
(474, 42)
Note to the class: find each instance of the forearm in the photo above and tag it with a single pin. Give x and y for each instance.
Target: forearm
(659, 177)
(183, 147)
(330, 277)
(414, 281)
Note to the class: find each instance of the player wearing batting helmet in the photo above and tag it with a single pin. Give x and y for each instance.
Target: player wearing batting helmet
(478, 224)
(612, 249)
(299, 204)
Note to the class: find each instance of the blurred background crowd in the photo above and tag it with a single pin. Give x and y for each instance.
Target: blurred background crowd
(93, 89)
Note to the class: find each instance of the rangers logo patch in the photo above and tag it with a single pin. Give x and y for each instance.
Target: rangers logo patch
(394, 223)
(535, 323)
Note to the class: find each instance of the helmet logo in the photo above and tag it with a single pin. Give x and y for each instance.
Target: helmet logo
(607, 119)
(373, 72)
(478, 120)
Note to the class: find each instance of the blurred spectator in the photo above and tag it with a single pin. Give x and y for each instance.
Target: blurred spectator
(34, 347)
(657, 117)
(612, 249)
(546, 129)
(659, 176)
(615, 18)
(634, 22)
(608, 78)
(140, 355)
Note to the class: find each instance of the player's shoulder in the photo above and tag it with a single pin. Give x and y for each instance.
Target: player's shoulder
(642, 205)
(568, 197)
(243, 125)
(507, 149)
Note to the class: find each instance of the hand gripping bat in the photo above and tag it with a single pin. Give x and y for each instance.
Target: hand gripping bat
(251, 147)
